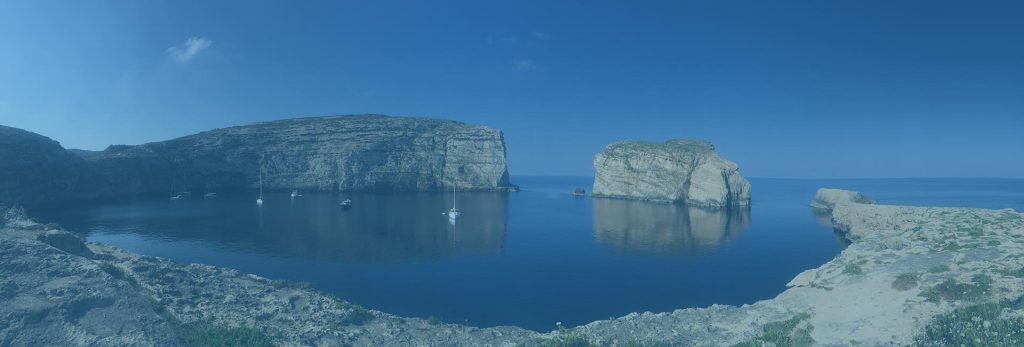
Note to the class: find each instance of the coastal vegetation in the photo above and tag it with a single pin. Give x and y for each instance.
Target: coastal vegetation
(985, 324)
(794, 332)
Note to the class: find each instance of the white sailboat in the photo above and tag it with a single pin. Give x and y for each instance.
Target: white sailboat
(295, 193)
(259, 199)
(453, 213)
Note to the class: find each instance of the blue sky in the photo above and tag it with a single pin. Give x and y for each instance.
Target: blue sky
(784, 88)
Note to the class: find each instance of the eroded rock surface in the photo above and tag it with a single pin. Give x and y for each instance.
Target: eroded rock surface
(826, 198)
(347, 153)
(683, 171)
(336, 153)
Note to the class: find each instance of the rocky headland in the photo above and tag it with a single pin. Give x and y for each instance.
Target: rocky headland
(911, 275)
(825, 199)
(35, 168)
(336, 153)
(675, 171)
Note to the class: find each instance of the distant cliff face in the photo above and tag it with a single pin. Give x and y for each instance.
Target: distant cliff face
(34, 168)
(683, 171)
(347, 153)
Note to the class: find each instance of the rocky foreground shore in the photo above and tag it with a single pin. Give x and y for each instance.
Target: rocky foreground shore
(912, 275)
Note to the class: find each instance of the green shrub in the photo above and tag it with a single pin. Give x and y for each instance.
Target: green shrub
(1019, 272)
(303, 285)
(201, 335)
(279, 284)
(976, 325)
(784, 333)
(952, 246)
(905, 281)
(357, 315)
(974, 231)
(208, 335)
(117, 273)
(953, 290)
(852, 269)
(570, 340)
(938, 268)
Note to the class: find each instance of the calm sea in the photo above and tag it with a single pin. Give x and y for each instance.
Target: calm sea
(530, 258)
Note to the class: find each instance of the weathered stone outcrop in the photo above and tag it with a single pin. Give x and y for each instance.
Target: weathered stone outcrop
(827, 198)
(34, 168)
(683, 171)
(342, 153)
(346, 153)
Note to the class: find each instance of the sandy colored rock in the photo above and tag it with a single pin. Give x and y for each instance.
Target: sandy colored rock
(677, 171)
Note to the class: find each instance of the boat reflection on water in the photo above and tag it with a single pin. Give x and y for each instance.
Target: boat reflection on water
(666, 229)
(386, 227)
(378, 227)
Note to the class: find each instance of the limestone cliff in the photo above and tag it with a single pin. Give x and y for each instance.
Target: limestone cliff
(685, 171)
(344, 153)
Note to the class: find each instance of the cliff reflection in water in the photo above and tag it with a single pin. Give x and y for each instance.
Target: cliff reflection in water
(389, 227)
(665, 228)
(380, 227)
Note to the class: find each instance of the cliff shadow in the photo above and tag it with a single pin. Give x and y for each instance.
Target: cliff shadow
(666, 229)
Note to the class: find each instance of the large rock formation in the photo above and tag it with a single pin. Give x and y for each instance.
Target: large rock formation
(685, 171)
(34, 168)
(345, 153)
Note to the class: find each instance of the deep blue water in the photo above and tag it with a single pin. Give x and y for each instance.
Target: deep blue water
(530, 258)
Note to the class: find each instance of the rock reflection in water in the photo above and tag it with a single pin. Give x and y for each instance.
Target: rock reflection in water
(380, 227)
(389, 227)
(665, 228)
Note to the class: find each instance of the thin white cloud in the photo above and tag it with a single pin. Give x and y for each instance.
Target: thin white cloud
(524, 64)
(539, 35)
(189, 50)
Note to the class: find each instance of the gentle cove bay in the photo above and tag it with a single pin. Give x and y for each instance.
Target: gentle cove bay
(530, 259)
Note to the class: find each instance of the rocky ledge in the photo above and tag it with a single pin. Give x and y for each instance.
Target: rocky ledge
(911, 275)
(683, 171)
(827, 198)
